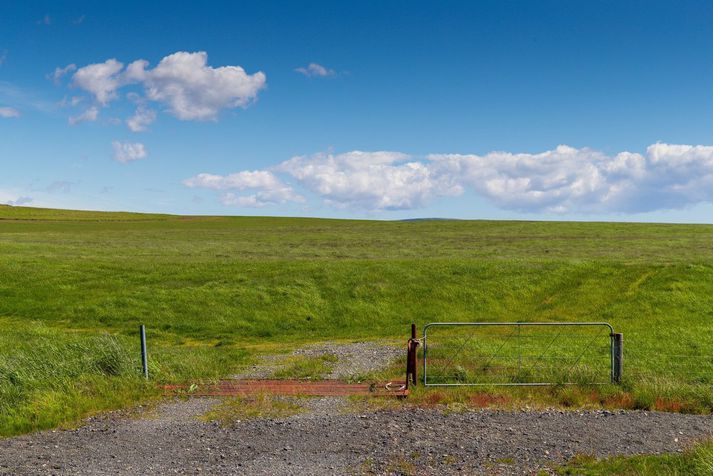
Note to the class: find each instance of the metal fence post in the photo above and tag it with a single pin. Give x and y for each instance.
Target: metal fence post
(617, 357)
(414, 347)
(144, 355)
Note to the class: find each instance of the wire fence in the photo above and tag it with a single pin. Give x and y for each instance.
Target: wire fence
(518, 353)
(690, 369)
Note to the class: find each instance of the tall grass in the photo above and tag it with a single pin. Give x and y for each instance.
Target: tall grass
(213, 291)
(48, 377)
(695, 461)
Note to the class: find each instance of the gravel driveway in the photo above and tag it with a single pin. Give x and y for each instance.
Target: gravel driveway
(411, 441)
(353, 359)
(326, 439)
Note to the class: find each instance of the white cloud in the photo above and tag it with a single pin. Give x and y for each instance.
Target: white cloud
(558, 180)
(368, 180)
(8, 112)
(562, 180)
(90, 115)
(126, 152)
(100, 79)
(142, 118)
(239, 181)
(19, 201)
(567, 180)
(315, 70)
(183, 82)
(61, 72)
(72, 101)
(268, 189)
(193, 90)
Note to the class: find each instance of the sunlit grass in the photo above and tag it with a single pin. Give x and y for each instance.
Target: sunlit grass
(695, 461)
(215, 291)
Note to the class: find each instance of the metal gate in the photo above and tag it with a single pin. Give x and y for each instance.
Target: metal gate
(521, 353)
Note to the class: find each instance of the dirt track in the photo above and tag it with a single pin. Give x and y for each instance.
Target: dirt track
(328, 441)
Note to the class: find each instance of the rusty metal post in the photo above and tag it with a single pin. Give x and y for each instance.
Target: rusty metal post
(408, 363)
(414, 355)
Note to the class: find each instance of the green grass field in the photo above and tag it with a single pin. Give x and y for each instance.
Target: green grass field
(214, 291)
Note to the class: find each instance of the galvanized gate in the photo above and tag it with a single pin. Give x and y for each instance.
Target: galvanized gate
(521, 353)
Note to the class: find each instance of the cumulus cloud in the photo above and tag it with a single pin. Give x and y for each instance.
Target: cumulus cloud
(90, 115)
(126, 152)
(183, 82)
(558, 180)
(9, 112)
(193, 90)
(315, 70)
(567, 180)
(100, 79)
(266, 187)
(142, 118)
(562, 180)
(59, 73)
(368, 180)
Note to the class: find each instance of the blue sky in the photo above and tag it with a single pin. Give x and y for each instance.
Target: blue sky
(566, 110)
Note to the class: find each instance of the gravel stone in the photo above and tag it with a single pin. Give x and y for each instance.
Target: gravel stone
(171, 440)
(326, 439)
(354, 359)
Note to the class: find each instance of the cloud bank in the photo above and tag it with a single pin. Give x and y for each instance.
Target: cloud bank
(561, 181)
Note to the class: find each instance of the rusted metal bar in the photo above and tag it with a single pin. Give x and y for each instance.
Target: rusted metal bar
(414, 356)
(290, 387)
(411, 358)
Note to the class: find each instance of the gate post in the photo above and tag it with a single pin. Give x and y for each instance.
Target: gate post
(617, 357)
(411, 358)
(144, 354)
(414, 346)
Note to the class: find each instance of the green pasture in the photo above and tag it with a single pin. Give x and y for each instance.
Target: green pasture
(215, 291)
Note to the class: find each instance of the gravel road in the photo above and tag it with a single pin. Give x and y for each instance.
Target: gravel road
(411, 441)
(327, 439)
(353, 359)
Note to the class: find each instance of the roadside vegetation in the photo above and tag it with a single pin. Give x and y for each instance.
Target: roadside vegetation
(695, 461)
(216, 291)
(236, 409)
(307, 367)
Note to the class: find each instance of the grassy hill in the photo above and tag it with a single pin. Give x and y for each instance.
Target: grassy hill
(74, 286)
